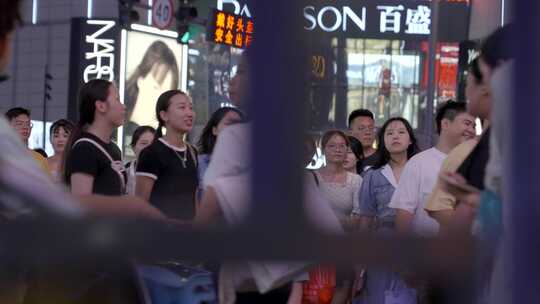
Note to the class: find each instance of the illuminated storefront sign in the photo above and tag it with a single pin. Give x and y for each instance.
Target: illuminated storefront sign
(230, 29)
(95, 53)
(387, 19)
(101, 55)
(239, 8)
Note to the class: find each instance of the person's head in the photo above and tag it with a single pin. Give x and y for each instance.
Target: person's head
(362, 126)
(19, 119)
(239, 84)
(334, 145)
(454, 124)
(174, 111)
(310, 148)
(142, 137)
(495, 50)
(396, 137)
(59, 134)
(99, 100)
(99, 103)
(9, 18)
(157, 72)
(355, 153)
(477, 92)
(220, 119)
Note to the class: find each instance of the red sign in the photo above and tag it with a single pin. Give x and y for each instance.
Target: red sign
(230, 29)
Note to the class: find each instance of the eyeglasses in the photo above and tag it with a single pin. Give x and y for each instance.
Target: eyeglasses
(337, 147)
(23, 124)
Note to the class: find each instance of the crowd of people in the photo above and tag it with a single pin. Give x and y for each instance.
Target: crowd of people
(374, 180)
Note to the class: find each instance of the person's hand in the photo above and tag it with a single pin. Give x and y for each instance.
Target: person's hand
(143, 209)
(358, 283)
(456, 185)
(353, 223)
(119, 206)
(471, 200)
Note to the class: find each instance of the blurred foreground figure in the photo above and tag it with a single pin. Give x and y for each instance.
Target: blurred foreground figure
(27, 180)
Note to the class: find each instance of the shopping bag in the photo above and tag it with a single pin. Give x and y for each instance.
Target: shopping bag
(271, 275)
(321, 285)
(399, 293)
(171, 282)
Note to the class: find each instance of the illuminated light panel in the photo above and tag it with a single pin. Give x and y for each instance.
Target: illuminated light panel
(90, 4)
(34, 11)
(149, 21)
(153, 30)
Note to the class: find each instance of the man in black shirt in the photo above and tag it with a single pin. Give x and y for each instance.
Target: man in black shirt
(362, 127)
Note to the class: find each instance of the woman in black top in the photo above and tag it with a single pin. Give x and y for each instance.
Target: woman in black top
(93, 163)
(167, 169)
(355, 155)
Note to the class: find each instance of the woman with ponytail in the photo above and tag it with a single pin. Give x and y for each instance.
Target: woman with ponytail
(167, 169)
(93, 163)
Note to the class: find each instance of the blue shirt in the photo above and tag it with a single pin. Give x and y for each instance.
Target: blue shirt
(203, 162)
(375, 194)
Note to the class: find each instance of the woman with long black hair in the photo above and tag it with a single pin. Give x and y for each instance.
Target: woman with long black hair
(220, 119)
(397, 144)
(93, 163)
(355, 155)
(167, 169)
(59, 135)
(142, 138)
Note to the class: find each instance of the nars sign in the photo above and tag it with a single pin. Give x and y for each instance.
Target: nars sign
(239, 8)
(101, 56)
(94, 53)
(392, 19)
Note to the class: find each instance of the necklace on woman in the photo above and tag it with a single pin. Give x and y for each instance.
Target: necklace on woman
(182, 159)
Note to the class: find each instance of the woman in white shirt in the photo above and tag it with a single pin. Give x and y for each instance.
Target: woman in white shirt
(59, 136)
(142, 138)
(340, 187)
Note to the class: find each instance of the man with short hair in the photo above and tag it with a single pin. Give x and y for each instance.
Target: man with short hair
(362, 127)
(454, 126)
(419, 176)
(19, 119)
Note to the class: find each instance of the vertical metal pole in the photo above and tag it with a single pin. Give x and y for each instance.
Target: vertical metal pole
(365, 103)
(279, 75)
(524, 166)
(45, 98)
(430, 96)
(342, 85)
(46, 94)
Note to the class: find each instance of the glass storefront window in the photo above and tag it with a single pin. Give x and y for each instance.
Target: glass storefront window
(383, 78)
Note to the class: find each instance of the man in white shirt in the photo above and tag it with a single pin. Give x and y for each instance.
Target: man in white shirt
(419, 176)
(227, 196)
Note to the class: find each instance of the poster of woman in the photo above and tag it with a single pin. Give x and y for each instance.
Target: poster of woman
(153, 66)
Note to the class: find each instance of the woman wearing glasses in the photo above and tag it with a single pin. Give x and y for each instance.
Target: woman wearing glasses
(341, 189)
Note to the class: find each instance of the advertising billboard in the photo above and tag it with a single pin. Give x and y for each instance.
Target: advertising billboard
(153, 65)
